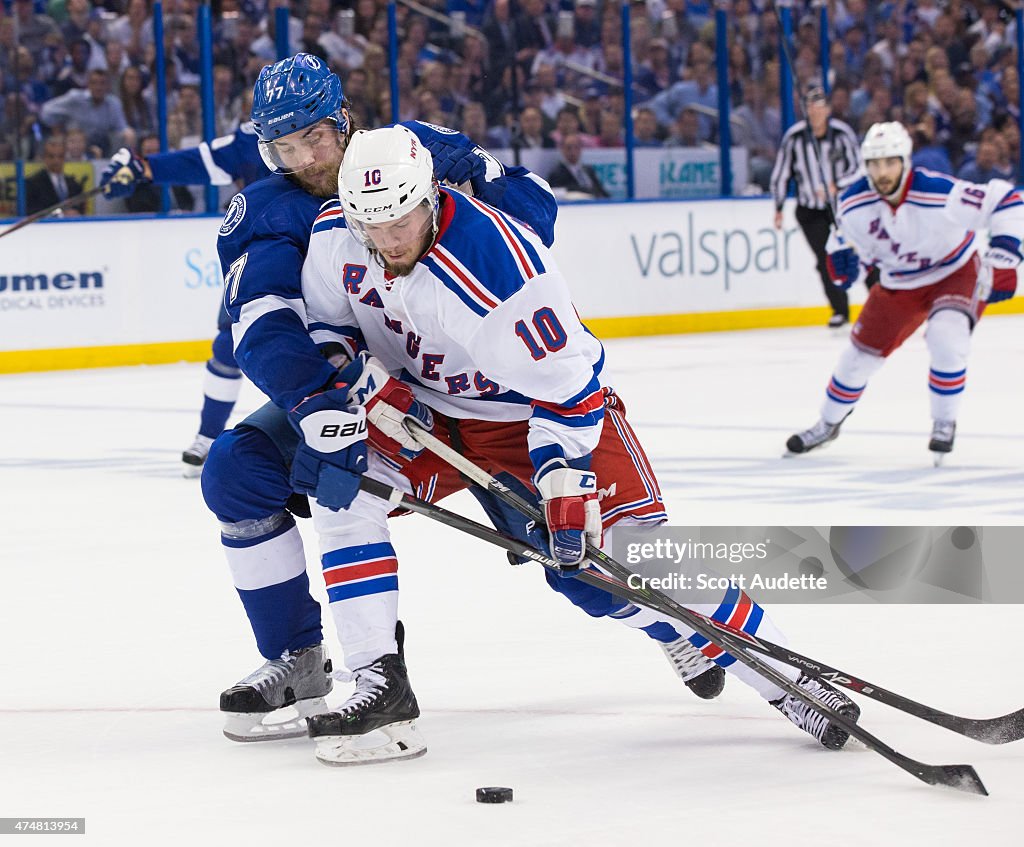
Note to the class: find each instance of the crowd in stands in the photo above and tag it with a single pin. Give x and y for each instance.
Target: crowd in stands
(523, 73)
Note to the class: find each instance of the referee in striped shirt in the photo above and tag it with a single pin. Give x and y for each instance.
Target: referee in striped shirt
(798, 160)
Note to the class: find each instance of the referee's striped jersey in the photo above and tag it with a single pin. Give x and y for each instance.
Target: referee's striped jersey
(840, 153)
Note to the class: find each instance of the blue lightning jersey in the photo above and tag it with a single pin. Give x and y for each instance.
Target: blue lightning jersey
(221, 162)
(263, 243)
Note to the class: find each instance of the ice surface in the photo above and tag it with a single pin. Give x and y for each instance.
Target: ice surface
(120, 627)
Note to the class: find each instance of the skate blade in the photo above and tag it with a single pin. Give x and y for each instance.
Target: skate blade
(191, 471)
(390, 743)
(246, 727)
(938, 457)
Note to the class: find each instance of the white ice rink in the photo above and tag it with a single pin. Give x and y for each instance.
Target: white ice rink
(120, 627)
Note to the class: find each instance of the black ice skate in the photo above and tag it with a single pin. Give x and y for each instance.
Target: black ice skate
(194, 456)
(941, 443)
(818, 726)
(698, 673)
(375, 724)
(301, 679)
(819, 434)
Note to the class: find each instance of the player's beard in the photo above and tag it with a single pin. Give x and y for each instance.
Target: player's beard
(321, 179)
(406, 266)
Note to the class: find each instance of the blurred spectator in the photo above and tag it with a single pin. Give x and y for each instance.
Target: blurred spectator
(499, 30)
(586, 23)
(32, 28)
(227, 107)
(76, 147)
(357, 93)
(133, 30)
(313, 28)
(96, 111)
(609, 130)
(890, 49)
(531, 130)
(342, 45)
(571, 176)
(655, 73)
(699, 88)
(984, 166)
(757, 126)
(51, 185)
(533, 32)
(552, 100)
(568, 123)
(265, 45)
(927, 152)
(137, 112)
(474, 125)
(21, 132)
(474, 10)
(190, 110)
(685, 131)
(76, 73)
(645, 128)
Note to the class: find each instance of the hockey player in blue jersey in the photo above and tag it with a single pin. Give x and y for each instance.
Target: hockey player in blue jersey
(224, 160)
(464, 323)
(303, 126)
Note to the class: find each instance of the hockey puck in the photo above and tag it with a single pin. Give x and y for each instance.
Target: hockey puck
(494, 794)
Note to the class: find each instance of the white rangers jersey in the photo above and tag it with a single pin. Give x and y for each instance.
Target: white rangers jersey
(482, 328)
(930, 233)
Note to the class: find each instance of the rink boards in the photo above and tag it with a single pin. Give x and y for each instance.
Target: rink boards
(127, 291)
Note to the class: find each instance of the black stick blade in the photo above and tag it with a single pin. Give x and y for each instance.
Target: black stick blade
(960, 777)
(997, 730)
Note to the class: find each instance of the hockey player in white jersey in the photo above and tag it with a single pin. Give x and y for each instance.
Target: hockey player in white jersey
(919, 228)
(466, 325)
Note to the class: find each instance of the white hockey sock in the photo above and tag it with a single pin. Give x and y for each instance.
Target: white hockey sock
(268, 562)
(849, 379)
(948, 336)
(224, 389)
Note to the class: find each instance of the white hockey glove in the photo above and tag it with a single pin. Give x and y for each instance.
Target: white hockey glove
(389, 403)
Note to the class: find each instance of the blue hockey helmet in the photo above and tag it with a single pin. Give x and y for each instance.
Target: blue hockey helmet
(290, 96)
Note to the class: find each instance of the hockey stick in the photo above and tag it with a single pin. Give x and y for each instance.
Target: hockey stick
(49, 210)
(1001, 730)
(960, 777)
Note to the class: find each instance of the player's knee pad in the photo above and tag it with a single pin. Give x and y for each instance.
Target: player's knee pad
(245, 478)
(948, 336)
(223, 360)
(855, 366)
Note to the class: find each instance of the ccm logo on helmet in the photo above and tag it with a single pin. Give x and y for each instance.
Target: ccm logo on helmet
(378, 209)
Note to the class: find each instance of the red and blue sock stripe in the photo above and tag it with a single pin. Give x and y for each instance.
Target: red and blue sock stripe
(358, 571)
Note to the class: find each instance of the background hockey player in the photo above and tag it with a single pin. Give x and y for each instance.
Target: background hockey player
(225, 160)
(918, 227)
(467, 305)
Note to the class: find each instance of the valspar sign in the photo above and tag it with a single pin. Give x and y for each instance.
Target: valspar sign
(672, 258)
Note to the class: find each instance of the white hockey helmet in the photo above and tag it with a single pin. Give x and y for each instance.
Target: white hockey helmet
(888, 140)
(386, 173)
